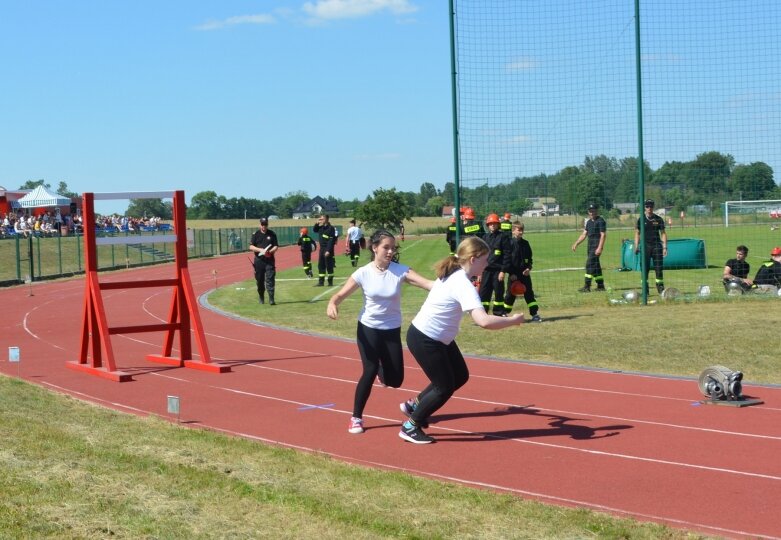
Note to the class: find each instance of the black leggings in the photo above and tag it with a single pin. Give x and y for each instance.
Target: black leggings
(445, 367)
(380, 353)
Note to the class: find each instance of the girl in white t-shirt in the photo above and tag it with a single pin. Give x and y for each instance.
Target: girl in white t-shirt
(379, 322)
(431, 336)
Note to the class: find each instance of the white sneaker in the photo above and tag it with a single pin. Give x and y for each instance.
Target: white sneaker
(356, 425)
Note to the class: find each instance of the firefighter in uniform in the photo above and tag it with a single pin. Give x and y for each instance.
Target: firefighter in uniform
(506, 225)
(264, 243)
(450, 236)
(469, 227)
(354, 236)
(520, 270)
(325, 260)
(655, 244)
(595, 230)
(307, 246)
(769, 273)
(492, 279)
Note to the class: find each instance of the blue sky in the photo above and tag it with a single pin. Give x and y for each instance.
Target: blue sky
(342, 97)
(255, 99)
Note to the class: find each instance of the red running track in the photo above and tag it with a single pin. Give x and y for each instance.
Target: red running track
(630, 445)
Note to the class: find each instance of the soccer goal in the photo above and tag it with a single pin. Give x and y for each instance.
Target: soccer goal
(752, 212)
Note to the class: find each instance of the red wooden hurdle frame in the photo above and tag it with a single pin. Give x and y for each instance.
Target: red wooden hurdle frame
(183, 316)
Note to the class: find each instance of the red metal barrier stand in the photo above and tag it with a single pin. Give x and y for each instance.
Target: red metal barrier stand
(183, 313)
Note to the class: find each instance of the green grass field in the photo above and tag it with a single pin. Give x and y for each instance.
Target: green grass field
(71, 470)
(680, 337)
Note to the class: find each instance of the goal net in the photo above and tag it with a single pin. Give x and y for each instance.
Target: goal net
(752, 212)
(550, 116)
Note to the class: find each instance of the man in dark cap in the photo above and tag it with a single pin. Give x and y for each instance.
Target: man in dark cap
(595, 229)
(264, 244)
(655, 244)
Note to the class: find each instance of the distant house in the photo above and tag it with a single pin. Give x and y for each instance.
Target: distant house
(313, 207)
(448, 211)
(542, 206)
(626, 207)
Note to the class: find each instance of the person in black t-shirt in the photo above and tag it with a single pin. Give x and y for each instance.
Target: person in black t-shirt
(264, 244)
(595, 230)
(737, 269)
(655, 244)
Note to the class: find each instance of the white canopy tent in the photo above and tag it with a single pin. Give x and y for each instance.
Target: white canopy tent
(40, 197)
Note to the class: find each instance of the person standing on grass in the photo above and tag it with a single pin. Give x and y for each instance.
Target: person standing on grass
(595, 229)
(655, 244)
(432, 333)
(307, 246)
(264, 244)
(354, 235)
(379, 322)
(520, 270)
(450, 235)
(325, 260)
(492, 279)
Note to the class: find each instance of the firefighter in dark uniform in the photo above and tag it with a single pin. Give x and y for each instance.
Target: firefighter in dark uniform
(325, 260)
(506, 225)
(264, 244)
(470, 227)
(450, 235)
(520, 270)
(492, 279)
(769, 272)
(595, 230)
(655, 244)
(307, 246)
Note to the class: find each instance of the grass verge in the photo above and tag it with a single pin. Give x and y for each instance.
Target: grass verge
(74, 470)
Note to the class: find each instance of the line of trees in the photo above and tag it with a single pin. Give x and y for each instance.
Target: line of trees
(708, 180)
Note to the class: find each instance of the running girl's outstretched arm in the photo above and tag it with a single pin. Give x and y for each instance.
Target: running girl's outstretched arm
(349, 287)
(492, 322)
(413, 278)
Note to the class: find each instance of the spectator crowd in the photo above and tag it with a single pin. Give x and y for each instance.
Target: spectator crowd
(24, 224)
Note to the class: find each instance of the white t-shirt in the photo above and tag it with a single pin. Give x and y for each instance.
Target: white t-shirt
(381, 295)
(440, 316)
(354, 234)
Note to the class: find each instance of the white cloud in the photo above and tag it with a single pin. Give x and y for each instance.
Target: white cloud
(351, 9)
(520, 139)
(233, 21)
(521, 64)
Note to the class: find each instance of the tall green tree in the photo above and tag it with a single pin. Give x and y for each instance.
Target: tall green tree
(752, 182)
(434, 206)
(384, 209)
(150, 208)
(32, 184)
(710, 171)
(206, 205)
(587, 187)
(62, 189)
(427, 192)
